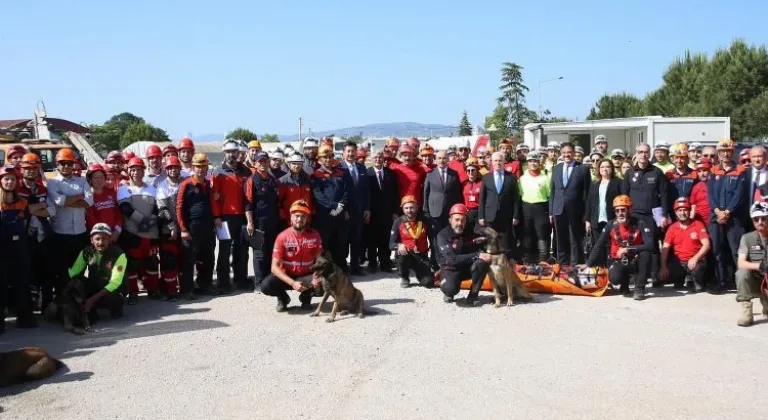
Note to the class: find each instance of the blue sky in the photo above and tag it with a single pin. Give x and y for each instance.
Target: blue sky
(207, 66)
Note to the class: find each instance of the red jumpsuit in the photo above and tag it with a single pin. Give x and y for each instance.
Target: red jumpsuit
(410, 180)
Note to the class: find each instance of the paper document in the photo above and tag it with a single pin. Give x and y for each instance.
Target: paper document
(657, 215)
(222, 233)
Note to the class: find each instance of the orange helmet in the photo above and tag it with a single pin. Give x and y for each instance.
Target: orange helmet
(65, 155)
(30, 160)
(136, 161)
(427, 150)
(725, 144)
(393, 143)
(414, 142)
(679, 150)
(172, 161)
(458, 209)
(682, 202)
(153, 151)
(300, 206)
(186, 143)
(325, 151)
(622, 201)
(408, 199)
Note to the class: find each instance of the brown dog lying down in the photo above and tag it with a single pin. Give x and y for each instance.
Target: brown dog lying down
(337, 284)
(27, 364)
(502, 271)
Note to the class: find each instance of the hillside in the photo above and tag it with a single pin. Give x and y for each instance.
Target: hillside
(399, 129)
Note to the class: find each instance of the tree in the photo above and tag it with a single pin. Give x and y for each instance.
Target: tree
(620, 105)
(357, 138)
(465, 128)
(242, 134)
(143, 131)
(513, 96)
(546, 117)
(122, 130)
(269, 138)
(499, 120)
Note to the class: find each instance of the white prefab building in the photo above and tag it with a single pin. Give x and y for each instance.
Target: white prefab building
(627, 133)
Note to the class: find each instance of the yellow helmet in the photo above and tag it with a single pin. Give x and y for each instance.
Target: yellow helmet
(254, 144)
(200, 159)
(325, 151)
(471, 161)
(725, 144)
(679, 149)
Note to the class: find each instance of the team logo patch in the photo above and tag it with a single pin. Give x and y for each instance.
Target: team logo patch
(694, 235)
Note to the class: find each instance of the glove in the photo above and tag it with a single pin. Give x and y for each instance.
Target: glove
(334, 213)
(339, 208)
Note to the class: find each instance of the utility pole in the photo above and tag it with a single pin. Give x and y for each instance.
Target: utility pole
(300, 127)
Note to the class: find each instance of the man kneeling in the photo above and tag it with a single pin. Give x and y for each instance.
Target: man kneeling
(296, 249)
(627, 242)
(409, 239)
(753, 265)
(106, 265)
(460, 257)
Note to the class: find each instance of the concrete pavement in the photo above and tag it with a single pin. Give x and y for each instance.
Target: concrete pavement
(675, 356)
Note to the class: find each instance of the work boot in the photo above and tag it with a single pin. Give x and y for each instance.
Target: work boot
(405, 283)
(764, 303)
(471, 299)
(306, 300)
(155, 296)
(133, 299)
(639, 293)
(746, 314)
(624, 289)
(447, 299)
(282, 303)
(189, 296)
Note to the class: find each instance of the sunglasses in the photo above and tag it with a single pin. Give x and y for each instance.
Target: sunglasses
(471, 170)
(760, 219)
(67, 164)
(708, 156)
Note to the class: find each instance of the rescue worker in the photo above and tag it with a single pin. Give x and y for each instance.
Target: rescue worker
(594, 165)
(362, 156)
(330, 189)
(295, 250)
(681, 177)
(15, 275)
(310, 148)
(276, 164)
(689, 242)
(553, 153)
(661, 157)
(114, 170)
(578, 154)
(186, 150)
(168, 151)
(170, 242)
(462, 154)
(617, 158)
(601, 144)
(460, 257)
(534, 192)
(68, 198)
(229, 197)
(710, 152)
(744, 158)
(726, 196)
(409, 174)
(107, 265)
(647, 186)
(154, 157)
(254, 147)
(261, 213)
(694, 154)
(485, 160)
(755, 175)
(391, 147)
(242, 152)
(294, 186)
(408, 238)
(139, 238)
(427, 154)
(471, 192)
(627, 242)
(753, 265)
(105, 208)
(194, 216)
(699, 199)
(521, 154)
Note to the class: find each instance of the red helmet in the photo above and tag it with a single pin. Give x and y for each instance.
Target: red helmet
(406, 149)
(8, 170)
(682, 202)
(94, 167)
(172, 161)
(170, 149)
(414, 142)
(458, 209)
(16, 149)
(114, 157)
(153, 151)
(393, 143)
(128, 156)
(186, 143)
(704, 163)
(136, 161)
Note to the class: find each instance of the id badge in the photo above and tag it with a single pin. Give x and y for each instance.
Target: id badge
(472, 198)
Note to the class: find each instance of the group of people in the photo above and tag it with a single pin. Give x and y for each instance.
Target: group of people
(155, 220)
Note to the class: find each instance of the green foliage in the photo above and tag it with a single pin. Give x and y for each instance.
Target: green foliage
(269, 138)
(546, 117)
(498, 119)
(122, 130)
(357, 138)
(513, 96)
(242, 134)
(465, 128)
(733, 83)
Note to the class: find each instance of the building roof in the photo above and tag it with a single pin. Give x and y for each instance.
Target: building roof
(618, 123)
(57, 123)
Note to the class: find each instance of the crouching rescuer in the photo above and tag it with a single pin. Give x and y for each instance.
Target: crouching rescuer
(626, 245)
(106, 264)
(753, 265)
(409, 240)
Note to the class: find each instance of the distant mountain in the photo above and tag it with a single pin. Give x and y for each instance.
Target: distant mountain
(398, 129)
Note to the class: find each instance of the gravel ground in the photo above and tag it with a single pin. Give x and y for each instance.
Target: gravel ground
(672, 356)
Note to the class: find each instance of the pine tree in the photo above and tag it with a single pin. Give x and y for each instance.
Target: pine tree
(465, 128)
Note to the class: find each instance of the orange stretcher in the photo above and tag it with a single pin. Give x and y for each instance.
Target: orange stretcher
(556, 280)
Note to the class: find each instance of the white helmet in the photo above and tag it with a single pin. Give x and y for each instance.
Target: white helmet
(601, 139)
(759, 209)
(295, 158)
(310, 142)
(242, 147)
(230, 146)
(277, 154)
(101, 228)
(463, 144)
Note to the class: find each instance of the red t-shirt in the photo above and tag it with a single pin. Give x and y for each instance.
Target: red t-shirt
(700, 200)
(624, 233)
(410, 180)
(458, 166)
(297, 251)
(472, 194)
(104, 210)
(686, 242)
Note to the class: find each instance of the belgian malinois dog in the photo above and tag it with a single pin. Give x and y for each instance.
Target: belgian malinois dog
(337, 284)
(502, 271)
(69, 308)
(27, 364)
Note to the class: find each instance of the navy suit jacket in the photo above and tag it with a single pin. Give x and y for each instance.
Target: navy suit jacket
(572, 197)
(360, 195)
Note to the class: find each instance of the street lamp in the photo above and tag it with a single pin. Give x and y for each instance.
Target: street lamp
(545, 81)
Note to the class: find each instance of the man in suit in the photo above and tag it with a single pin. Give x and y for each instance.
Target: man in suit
(570, 185)
(384, 210)
(500, 203)
(359, 207)
(755, 177)
(442, 189)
